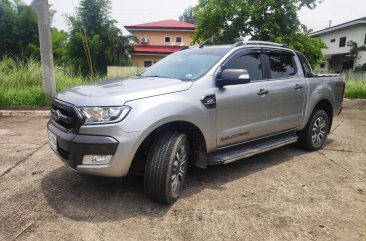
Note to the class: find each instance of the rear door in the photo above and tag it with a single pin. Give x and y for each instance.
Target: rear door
(243, 111)
(287, 90)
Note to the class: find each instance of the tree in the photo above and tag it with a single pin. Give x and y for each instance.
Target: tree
(354, 52)
(361, 67)
(18, 29)
(95, 41)
(227, 21)
(59, 44)
(233, 19)
(8, 20)
(188, 16)
(301, 41)
(27, 31)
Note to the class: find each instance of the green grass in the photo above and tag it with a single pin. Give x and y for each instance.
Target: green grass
(356, 89)
(21, 82)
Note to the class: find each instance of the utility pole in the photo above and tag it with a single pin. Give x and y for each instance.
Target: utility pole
(44, 29)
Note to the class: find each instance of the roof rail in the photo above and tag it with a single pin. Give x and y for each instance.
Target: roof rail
(255, 42)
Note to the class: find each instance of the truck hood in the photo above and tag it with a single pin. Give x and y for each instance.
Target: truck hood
(118, 91)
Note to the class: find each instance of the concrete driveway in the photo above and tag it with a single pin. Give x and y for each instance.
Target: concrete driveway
(285, 194)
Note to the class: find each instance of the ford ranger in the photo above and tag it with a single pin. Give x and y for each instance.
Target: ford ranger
(202, 106)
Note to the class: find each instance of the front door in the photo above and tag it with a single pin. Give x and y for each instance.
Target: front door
(243, 111)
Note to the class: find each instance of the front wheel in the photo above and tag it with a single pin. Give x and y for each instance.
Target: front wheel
(315, 133)
(166, 167)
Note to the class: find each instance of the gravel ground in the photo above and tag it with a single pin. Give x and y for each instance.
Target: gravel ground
(284, 194)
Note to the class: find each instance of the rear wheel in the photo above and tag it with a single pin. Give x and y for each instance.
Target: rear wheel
(166, 167)
(315, 133)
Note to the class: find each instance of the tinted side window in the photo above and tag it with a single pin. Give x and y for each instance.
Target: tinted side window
(250, 62)
(281, 65)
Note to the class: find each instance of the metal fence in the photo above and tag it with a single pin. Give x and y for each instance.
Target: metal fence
(123, 71)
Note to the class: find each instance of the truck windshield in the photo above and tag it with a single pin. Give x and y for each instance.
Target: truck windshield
(189, 64)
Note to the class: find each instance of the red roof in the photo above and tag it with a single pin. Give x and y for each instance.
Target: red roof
(165, 24)
(155, 49)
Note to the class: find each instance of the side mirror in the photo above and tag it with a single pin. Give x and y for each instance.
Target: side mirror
(233, 77)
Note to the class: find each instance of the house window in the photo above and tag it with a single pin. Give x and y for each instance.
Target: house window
(322, 65)
(167, 39)
(178, 39)
(147, 63)
(365, 39)
(342, 41)
(332, 40)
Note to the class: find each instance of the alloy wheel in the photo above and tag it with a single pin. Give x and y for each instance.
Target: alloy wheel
(319, 131)
(179, 167)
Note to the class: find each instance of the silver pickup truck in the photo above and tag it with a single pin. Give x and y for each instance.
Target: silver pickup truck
(201, 106)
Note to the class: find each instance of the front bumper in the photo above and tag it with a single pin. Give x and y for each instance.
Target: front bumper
(71, 148)
(94, 140)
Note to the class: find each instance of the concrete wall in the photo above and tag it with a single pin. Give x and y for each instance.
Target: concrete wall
(349, 75)
(122, 71)
(157, 37)
(138, 60)
(361, 59)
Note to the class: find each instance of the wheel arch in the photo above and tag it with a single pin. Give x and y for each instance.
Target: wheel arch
(196, 138)
(323, 104)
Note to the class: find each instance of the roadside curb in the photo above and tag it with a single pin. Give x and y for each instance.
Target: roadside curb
(25, 113)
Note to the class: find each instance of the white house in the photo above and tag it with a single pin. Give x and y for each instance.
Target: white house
(340, 39)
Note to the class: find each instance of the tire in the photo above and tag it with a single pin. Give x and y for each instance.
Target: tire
(314, 135)
(166, 167)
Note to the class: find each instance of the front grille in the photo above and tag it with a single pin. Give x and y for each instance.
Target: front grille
(66, 117)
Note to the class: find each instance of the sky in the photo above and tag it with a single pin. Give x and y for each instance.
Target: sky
(130, 12)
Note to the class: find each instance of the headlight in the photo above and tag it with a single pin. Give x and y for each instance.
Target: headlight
(102, 115)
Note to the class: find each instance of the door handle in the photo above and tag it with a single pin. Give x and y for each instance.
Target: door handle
(262, 92)
(298, 87)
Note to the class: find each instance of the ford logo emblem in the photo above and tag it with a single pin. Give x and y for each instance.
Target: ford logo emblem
(56, 115)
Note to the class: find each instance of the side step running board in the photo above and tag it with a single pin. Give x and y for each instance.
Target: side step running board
(235, 153)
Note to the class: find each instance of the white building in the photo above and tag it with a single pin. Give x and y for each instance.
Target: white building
(340, 39)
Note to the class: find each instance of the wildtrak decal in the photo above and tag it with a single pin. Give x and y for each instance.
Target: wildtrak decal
(225, 138)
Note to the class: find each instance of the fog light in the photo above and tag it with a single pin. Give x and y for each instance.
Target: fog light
(96, 159)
